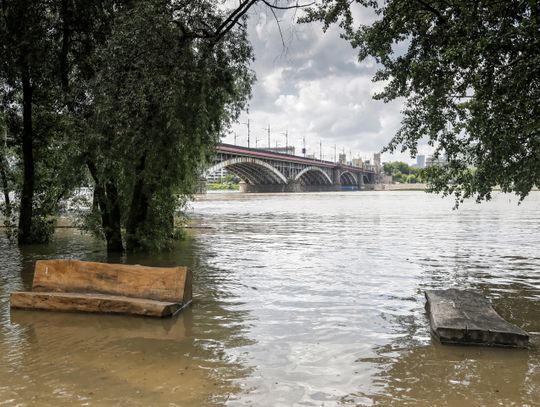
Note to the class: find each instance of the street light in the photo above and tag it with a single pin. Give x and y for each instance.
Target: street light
(303, 145)
(286, 134)
(268, 129)
(247, 124)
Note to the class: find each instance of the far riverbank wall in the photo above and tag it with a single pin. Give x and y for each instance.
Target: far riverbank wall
(397, 187)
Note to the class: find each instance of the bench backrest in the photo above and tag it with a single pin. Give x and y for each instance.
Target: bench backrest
(158, 283)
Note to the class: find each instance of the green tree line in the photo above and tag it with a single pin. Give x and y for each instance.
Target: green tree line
(403, 172)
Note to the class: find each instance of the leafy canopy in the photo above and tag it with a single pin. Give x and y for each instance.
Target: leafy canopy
(161, 100)
(470, 74)
(129, 97)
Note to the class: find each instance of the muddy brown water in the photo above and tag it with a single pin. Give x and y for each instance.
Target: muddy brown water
(300, 299)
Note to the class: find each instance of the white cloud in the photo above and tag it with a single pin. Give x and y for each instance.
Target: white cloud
(316, 88)
(272, 82)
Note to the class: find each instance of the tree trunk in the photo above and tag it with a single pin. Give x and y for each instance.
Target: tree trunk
(5, 188)
(27, 196)
(109, 207)
(138, 210)
(114, 239)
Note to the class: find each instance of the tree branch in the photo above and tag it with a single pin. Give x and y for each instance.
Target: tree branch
(433, 10)
(279, 26)
(233, 18)
(296, 6)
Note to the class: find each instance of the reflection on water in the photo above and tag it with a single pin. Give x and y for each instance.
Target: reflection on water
(300, 299)
(70, 359)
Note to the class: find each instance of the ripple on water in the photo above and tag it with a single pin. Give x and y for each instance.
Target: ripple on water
(300, 299)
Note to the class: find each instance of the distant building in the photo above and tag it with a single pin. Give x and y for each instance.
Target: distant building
(217, 176)
(430, 161)
(282, 150)
(420, 161)
(342, 158)
(377, 159)
(357, 162)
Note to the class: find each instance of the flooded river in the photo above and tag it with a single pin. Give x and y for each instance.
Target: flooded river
(299, 299)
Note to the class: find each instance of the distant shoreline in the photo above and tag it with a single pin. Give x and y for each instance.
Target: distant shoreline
(399, 187)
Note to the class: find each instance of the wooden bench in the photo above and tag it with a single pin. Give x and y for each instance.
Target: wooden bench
(80, 286)
(467, 318)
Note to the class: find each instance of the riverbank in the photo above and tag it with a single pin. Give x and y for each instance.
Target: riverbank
(400, 187)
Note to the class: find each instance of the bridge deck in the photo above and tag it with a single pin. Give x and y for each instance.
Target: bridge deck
(251, 152)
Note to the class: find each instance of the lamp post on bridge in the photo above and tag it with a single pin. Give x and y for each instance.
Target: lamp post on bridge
(248, 132)
(286, 134)
(268, 128)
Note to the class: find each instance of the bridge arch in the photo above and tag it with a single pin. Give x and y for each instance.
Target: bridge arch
(313, 176)
(347, 178)
(366, 179)
(251, 170)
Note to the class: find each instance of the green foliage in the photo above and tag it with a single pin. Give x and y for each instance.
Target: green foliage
(404, 173)
(225, 186)
(412, 179)
(137, 91)
(44, 161)
(468, 71)
(161, 101)
(230, 179)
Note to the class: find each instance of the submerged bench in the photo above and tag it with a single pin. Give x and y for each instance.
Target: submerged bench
(465, 317)
(80, 286)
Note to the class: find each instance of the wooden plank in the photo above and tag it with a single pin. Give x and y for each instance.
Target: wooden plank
(466, 317)
(77, 302)
(172, 284)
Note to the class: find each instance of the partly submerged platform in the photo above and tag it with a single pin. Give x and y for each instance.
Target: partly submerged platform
(467, 318)
(77, 286)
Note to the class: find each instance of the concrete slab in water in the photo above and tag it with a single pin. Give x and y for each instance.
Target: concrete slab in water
(466, 317)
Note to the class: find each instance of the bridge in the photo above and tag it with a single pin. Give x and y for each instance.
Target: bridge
(268, 171)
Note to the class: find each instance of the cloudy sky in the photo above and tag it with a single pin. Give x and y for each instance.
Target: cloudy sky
(314, 87)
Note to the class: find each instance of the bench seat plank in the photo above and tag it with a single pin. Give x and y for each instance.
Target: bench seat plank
(172, 284)
(466, 317)
(93, 302)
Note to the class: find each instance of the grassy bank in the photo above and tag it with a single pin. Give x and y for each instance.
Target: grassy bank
(217, 186)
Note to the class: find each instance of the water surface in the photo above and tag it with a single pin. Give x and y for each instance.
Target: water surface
(300, 299)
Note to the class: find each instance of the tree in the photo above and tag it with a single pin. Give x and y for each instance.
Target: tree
(34, 45)
(24, 43)
(470, 73)
(161, 99)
